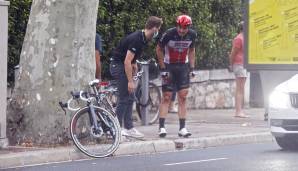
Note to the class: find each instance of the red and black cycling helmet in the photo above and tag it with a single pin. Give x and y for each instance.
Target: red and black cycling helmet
(183, 21)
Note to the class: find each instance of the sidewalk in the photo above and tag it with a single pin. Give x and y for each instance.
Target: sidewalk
(209, 128)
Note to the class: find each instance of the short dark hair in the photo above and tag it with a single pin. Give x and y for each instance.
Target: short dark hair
(153, 21)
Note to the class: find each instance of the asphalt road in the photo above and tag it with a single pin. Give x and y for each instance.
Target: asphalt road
(248, 157)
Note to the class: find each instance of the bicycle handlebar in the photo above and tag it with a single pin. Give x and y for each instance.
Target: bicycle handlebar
(83, 98)
(63, 105)
(75, 95)
(69, 106)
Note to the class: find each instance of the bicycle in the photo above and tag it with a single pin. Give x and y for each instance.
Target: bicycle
(94, 130)
(154, 97)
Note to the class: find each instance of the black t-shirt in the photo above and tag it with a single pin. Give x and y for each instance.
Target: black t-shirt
(135, 42)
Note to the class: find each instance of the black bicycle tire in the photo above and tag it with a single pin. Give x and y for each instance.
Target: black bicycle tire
(115, 145)
(156, 116)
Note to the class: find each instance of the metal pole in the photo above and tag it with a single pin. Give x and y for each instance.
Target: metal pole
(145, 93)
(3, 70)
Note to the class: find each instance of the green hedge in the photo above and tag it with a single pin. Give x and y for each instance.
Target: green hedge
(18, 18)
(214, 20)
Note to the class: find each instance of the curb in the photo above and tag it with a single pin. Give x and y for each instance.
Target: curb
(145, 147)
(130, 148)
(72, 153)
(222, 140)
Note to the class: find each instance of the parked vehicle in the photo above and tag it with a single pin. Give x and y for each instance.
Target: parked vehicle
(283, 114)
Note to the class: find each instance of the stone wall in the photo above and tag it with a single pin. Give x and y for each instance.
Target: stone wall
(212, 89)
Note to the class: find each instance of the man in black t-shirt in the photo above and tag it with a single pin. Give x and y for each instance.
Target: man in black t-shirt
(123, 66)
(176, 57)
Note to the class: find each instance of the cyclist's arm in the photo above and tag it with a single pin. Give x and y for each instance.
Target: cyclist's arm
(191, 55)
(134, 68)
(128, 66)
(160, 48)
(160, 56)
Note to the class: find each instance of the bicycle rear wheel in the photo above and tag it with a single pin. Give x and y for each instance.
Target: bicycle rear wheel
(109, 103)
(153, 104)
(110, 100)
(95, 143)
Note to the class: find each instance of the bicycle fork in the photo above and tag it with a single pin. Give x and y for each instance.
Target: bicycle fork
(98, 130)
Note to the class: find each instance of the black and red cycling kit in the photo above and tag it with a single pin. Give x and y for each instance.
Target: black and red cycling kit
(176, 47)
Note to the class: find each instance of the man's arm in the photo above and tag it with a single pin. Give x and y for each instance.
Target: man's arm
(98, 65)
(160, 56)
(128, 70)
(134, 68)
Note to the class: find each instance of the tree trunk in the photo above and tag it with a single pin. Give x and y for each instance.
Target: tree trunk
(57, 57)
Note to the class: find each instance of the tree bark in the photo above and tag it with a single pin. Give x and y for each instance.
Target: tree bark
(57, 57)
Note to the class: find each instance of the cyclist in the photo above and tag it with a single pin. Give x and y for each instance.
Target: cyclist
(176, 56)
(123, 65)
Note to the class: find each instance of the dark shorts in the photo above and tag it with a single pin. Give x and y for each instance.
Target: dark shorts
(178, 79)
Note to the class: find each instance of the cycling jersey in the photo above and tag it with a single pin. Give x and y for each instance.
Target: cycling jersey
(135, 42)
(176, 47)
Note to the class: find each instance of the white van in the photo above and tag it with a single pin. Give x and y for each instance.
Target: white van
(283, 114)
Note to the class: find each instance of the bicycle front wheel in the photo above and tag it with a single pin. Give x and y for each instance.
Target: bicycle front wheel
(94, 142)
(152, 105)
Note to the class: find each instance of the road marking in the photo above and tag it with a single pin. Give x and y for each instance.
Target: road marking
(44, 163)
(196, 161)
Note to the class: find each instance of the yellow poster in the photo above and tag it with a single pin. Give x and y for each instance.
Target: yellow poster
(273, 32)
